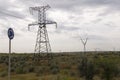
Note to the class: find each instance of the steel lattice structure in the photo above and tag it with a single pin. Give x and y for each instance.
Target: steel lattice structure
(42, 41)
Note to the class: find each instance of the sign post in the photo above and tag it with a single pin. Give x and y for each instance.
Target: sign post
(11, 36)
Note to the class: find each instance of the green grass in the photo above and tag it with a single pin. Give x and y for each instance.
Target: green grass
(32, 76)
(62, 66)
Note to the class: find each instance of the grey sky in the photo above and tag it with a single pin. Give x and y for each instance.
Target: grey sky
(98, 18)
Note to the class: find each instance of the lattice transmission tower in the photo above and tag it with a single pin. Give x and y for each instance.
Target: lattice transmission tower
(42, 41)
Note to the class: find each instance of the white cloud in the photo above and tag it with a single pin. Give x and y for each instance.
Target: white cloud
(98, 18)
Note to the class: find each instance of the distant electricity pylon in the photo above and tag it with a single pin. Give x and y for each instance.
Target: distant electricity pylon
(84, 42)
(42, 41)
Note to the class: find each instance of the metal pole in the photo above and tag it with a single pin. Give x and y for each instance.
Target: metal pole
(9, 67)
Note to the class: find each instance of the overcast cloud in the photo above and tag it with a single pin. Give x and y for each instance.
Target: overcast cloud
(99, 19)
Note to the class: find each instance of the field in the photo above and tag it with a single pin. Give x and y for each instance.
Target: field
(62, 66)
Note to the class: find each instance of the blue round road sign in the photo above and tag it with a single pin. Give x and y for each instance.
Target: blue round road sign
(10, 33)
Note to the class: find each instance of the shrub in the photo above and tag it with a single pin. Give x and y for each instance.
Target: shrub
(86, 69)
(39, 71)
(20, 70)
(110, 71)
(3, 74)
(90, 71)
(54, 68)
(31, 69)
(72, 73)
(82, 67)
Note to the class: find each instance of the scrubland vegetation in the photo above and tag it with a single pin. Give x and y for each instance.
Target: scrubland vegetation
(62, 66)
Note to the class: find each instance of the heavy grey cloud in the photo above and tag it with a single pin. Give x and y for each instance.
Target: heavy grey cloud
(7, 7)
(72, 4)
(99, 17)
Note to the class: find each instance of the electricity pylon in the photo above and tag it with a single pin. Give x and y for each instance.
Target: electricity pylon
(42, 41)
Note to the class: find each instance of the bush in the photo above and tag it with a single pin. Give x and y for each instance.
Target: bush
(82, 67)
(31, 69)
(72, 73)
(20, 70)
(86, 69)
(90, 71)
(3, 74)
(39, 71)
(110, 71)
(54, 68)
